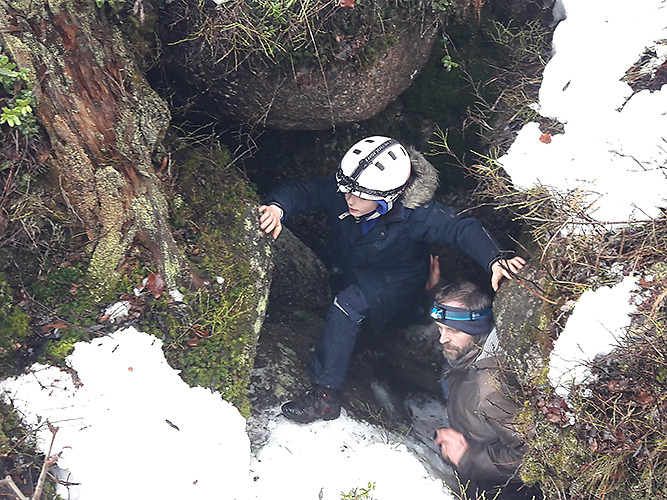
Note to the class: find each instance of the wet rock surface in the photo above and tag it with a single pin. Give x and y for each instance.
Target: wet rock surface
(300, 281)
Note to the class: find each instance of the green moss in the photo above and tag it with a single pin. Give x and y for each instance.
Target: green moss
(56, 351)
(14, 322)
(14, 328)
(59, 291)
(555, 457)
(214, 346)
(9, 427)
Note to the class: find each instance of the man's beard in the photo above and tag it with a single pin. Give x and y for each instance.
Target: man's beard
(456, 353)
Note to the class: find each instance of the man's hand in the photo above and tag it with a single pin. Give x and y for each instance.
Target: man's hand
(504, 269)
(269, 221)
(452, 444)
(434, 273)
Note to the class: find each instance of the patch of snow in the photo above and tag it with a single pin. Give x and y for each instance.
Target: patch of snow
(598, 322)
(614, 147)
(325, 459)
(134, 429)
(176, 295)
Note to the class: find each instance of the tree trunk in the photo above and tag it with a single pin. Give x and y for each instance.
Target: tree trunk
(103, 121)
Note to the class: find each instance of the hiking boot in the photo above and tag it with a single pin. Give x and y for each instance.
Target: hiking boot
(316, 403)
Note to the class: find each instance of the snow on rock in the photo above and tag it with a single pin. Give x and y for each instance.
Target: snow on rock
(134, 429)
(613, 145)
(595, 327)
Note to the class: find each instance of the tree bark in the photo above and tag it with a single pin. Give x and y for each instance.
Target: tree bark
(103, 121)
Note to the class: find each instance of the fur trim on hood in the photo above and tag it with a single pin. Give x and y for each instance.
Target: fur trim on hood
(423, 183)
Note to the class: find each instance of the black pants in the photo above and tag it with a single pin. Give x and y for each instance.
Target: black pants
(339, 334)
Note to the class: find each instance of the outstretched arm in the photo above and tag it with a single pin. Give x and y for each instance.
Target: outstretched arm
(505, 268)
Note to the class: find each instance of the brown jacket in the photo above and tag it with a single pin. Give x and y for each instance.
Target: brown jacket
(481, 408)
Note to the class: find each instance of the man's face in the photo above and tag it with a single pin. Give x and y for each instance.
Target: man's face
(455, 343)
(358, 206)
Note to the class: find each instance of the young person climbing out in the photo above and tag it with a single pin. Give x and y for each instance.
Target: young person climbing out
(383, 218)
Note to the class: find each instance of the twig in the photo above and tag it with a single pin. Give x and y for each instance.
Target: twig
(522, 282)
(656, 304)
(48, 462)
(12, 486)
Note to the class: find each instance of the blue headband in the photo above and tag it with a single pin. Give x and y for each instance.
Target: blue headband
(470, 322)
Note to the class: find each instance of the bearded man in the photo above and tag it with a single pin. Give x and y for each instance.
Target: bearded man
(482, 443)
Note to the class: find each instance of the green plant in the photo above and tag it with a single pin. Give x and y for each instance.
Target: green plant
(443, 5)
(527, 44)
(359, 493)
(8, 73)
(447, 61)
(18, 111)
(448, 64)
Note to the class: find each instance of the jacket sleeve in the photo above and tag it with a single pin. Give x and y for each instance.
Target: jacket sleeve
(303, 195)
(437, 223)
(495, 459)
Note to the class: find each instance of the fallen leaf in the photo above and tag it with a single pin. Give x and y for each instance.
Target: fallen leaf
(155, 284)
(545, 138)
(644, 397)
(346, 3)
(201, 332)
(52, 326)
(614, 385)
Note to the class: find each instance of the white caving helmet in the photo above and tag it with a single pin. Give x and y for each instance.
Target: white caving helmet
(375, 168)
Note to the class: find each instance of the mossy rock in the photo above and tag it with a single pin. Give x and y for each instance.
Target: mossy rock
(522, 318)
(215, 216)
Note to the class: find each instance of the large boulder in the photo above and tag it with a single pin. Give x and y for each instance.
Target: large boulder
(356, 68)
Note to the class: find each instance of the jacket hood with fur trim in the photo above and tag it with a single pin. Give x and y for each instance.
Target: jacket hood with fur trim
(423, 183)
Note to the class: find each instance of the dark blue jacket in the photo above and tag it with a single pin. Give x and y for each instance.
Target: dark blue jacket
(391, 262)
